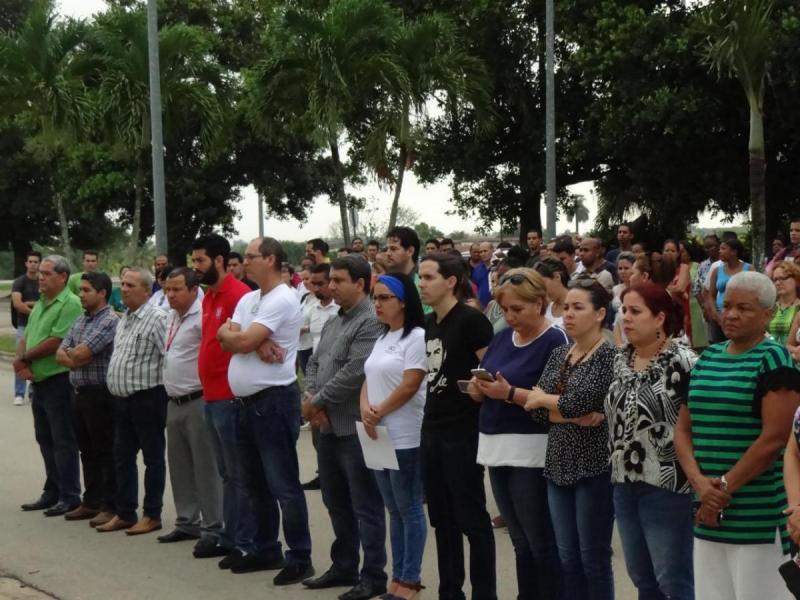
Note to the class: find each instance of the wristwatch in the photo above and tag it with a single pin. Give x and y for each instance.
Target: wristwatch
(510, 398)
(723, 483)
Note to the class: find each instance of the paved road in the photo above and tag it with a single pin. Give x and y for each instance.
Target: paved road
(71, 561)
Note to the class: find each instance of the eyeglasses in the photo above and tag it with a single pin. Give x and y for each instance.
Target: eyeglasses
(784, 278)
(252, 256)
(381, 298)
(581, 282)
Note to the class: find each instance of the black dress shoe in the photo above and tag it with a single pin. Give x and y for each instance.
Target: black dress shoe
(208, 547)
(250, 563)
(40, 504)
(294, 572)
(311, 485)
(230, 558)
(364, 590)
(330, 579)
(176, 535)
(61, 508)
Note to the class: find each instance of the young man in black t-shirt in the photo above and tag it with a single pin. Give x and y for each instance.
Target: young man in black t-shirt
(456, 337)
(24, 294)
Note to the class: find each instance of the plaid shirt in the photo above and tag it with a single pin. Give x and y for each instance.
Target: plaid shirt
(138, 357)
(97, 333)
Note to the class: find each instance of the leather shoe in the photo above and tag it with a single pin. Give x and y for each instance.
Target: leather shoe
(208, 547)
(176, 535)
(101, 519)
(115, 524)
(294, 572)
(59, 509)
(232, 556)
(364, 590)
(330, 579)
(250, 563)
(39, 504)
(312, 485)
(81, 513)
(145, 525)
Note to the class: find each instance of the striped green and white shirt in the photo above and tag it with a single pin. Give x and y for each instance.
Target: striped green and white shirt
(726, 420)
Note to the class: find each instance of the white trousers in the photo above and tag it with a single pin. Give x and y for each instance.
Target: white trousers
(739, 571)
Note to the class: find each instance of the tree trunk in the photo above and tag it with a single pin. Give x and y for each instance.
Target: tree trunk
(20, 249)
(341, 197)
(61, 211)
(530, 216)
(577, 230)
(758, 168)
(136, 226)
(401, 171)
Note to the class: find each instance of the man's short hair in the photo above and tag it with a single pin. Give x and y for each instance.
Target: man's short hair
(235, 255)
(35, 253)
(356, 266)
(407, 237)
(215, 245)
(564, 244)
(318, 244)
(433, 241)
(190, 278)
(99, 282)
(534, 230)
(90, 253)
(374, 243)
(324, 268)
(60, 264)
(446, 241)
(356, 238)
(272, 247)
(145, 277)
(450, 265)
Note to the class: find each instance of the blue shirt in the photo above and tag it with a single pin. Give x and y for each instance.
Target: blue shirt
(480, 276)
(522, 367)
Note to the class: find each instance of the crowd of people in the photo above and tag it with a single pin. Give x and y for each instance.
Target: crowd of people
(651, 389)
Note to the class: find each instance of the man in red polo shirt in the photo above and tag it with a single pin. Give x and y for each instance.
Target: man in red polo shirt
(210, 261)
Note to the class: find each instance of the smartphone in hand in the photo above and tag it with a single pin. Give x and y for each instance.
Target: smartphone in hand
(482, 374)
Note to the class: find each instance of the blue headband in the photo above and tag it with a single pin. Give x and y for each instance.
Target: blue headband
(394, 284)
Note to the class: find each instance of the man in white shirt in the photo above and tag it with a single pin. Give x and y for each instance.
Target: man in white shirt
(325, 308)
(196, 484)
(269, 418)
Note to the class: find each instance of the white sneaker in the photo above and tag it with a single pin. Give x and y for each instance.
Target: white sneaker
(19, 400)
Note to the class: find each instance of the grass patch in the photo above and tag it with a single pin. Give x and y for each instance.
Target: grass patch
(5, 287)
(8, 343)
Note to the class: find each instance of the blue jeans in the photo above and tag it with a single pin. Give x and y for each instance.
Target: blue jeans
(52, 424)
(656, 530)
(222, 417)
(355, 507)
(402, 495)
(267, 431)
(583, 521)
(521, 496)
(20, 385)
(139, 422)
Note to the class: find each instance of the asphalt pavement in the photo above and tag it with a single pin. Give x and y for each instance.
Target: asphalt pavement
(70, 560)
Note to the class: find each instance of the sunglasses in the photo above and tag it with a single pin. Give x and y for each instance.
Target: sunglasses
(581, 282)
(515, 279)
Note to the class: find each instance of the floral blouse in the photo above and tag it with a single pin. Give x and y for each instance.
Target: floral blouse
(642, 409)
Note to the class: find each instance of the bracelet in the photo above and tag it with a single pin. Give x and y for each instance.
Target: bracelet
(510, 398)
(723, 483)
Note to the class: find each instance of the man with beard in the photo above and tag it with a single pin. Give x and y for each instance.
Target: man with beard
(210, 256)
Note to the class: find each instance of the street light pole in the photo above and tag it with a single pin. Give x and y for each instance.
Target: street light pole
(550, 123)
(156, 135)
(260, 215)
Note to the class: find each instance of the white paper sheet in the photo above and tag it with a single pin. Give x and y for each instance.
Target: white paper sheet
(378, 454)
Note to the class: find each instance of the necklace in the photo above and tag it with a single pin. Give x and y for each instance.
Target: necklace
(635, 354)
(567, 368)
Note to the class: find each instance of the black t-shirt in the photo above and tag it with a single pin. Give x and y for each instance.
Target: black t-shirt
(250, 283)
(29, 288)
(450, 347)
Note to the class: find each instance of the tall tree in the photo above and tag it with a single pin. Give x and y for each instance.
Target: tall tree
(740, 43)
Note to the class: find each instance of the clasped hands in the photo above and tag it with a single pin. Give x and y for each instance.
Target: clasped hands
(22, 369)
(713, 500)
(314, 415)
(370, 418)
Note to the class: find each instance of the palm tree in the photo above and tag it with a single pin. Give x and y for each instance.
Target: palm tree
(576, 209)
(118, 52)
(740, 44)
(40, 82)
(319, 73)
(432, 56)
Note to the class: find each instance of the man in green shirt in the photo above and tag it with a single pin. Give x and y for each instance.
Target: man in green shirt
(89, 266)
(51, 319)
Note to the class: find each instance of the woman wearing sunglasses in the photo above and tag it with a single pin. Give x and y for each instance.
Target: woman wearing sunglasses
(573, 386)
(511, 444)
(393, 395)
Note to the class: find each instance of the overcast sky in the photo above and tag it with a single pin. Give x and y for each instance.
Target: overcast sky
(431, 203)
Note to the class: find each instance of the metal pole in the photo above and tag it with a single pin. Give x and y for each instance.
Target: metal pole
(260, 215)
(156, 136)
(550, 167)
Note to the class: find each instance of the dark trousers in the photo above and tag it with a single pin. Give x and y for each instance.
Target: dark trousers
(267, 433)
(302, 359)
(93, 421)
(355, 507)
(521, 496)
(457, 507)
(52, 425)
(140, 420)
(222, 417)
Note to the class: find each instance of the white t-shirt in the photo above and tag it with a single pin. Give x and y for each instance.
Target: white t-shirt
(278, 311)
(557, 321)
(320, 314)
(306, 341)
(384, 368)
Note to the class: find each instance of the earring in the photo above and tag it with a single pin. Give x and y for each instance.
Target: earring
(658, 335)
